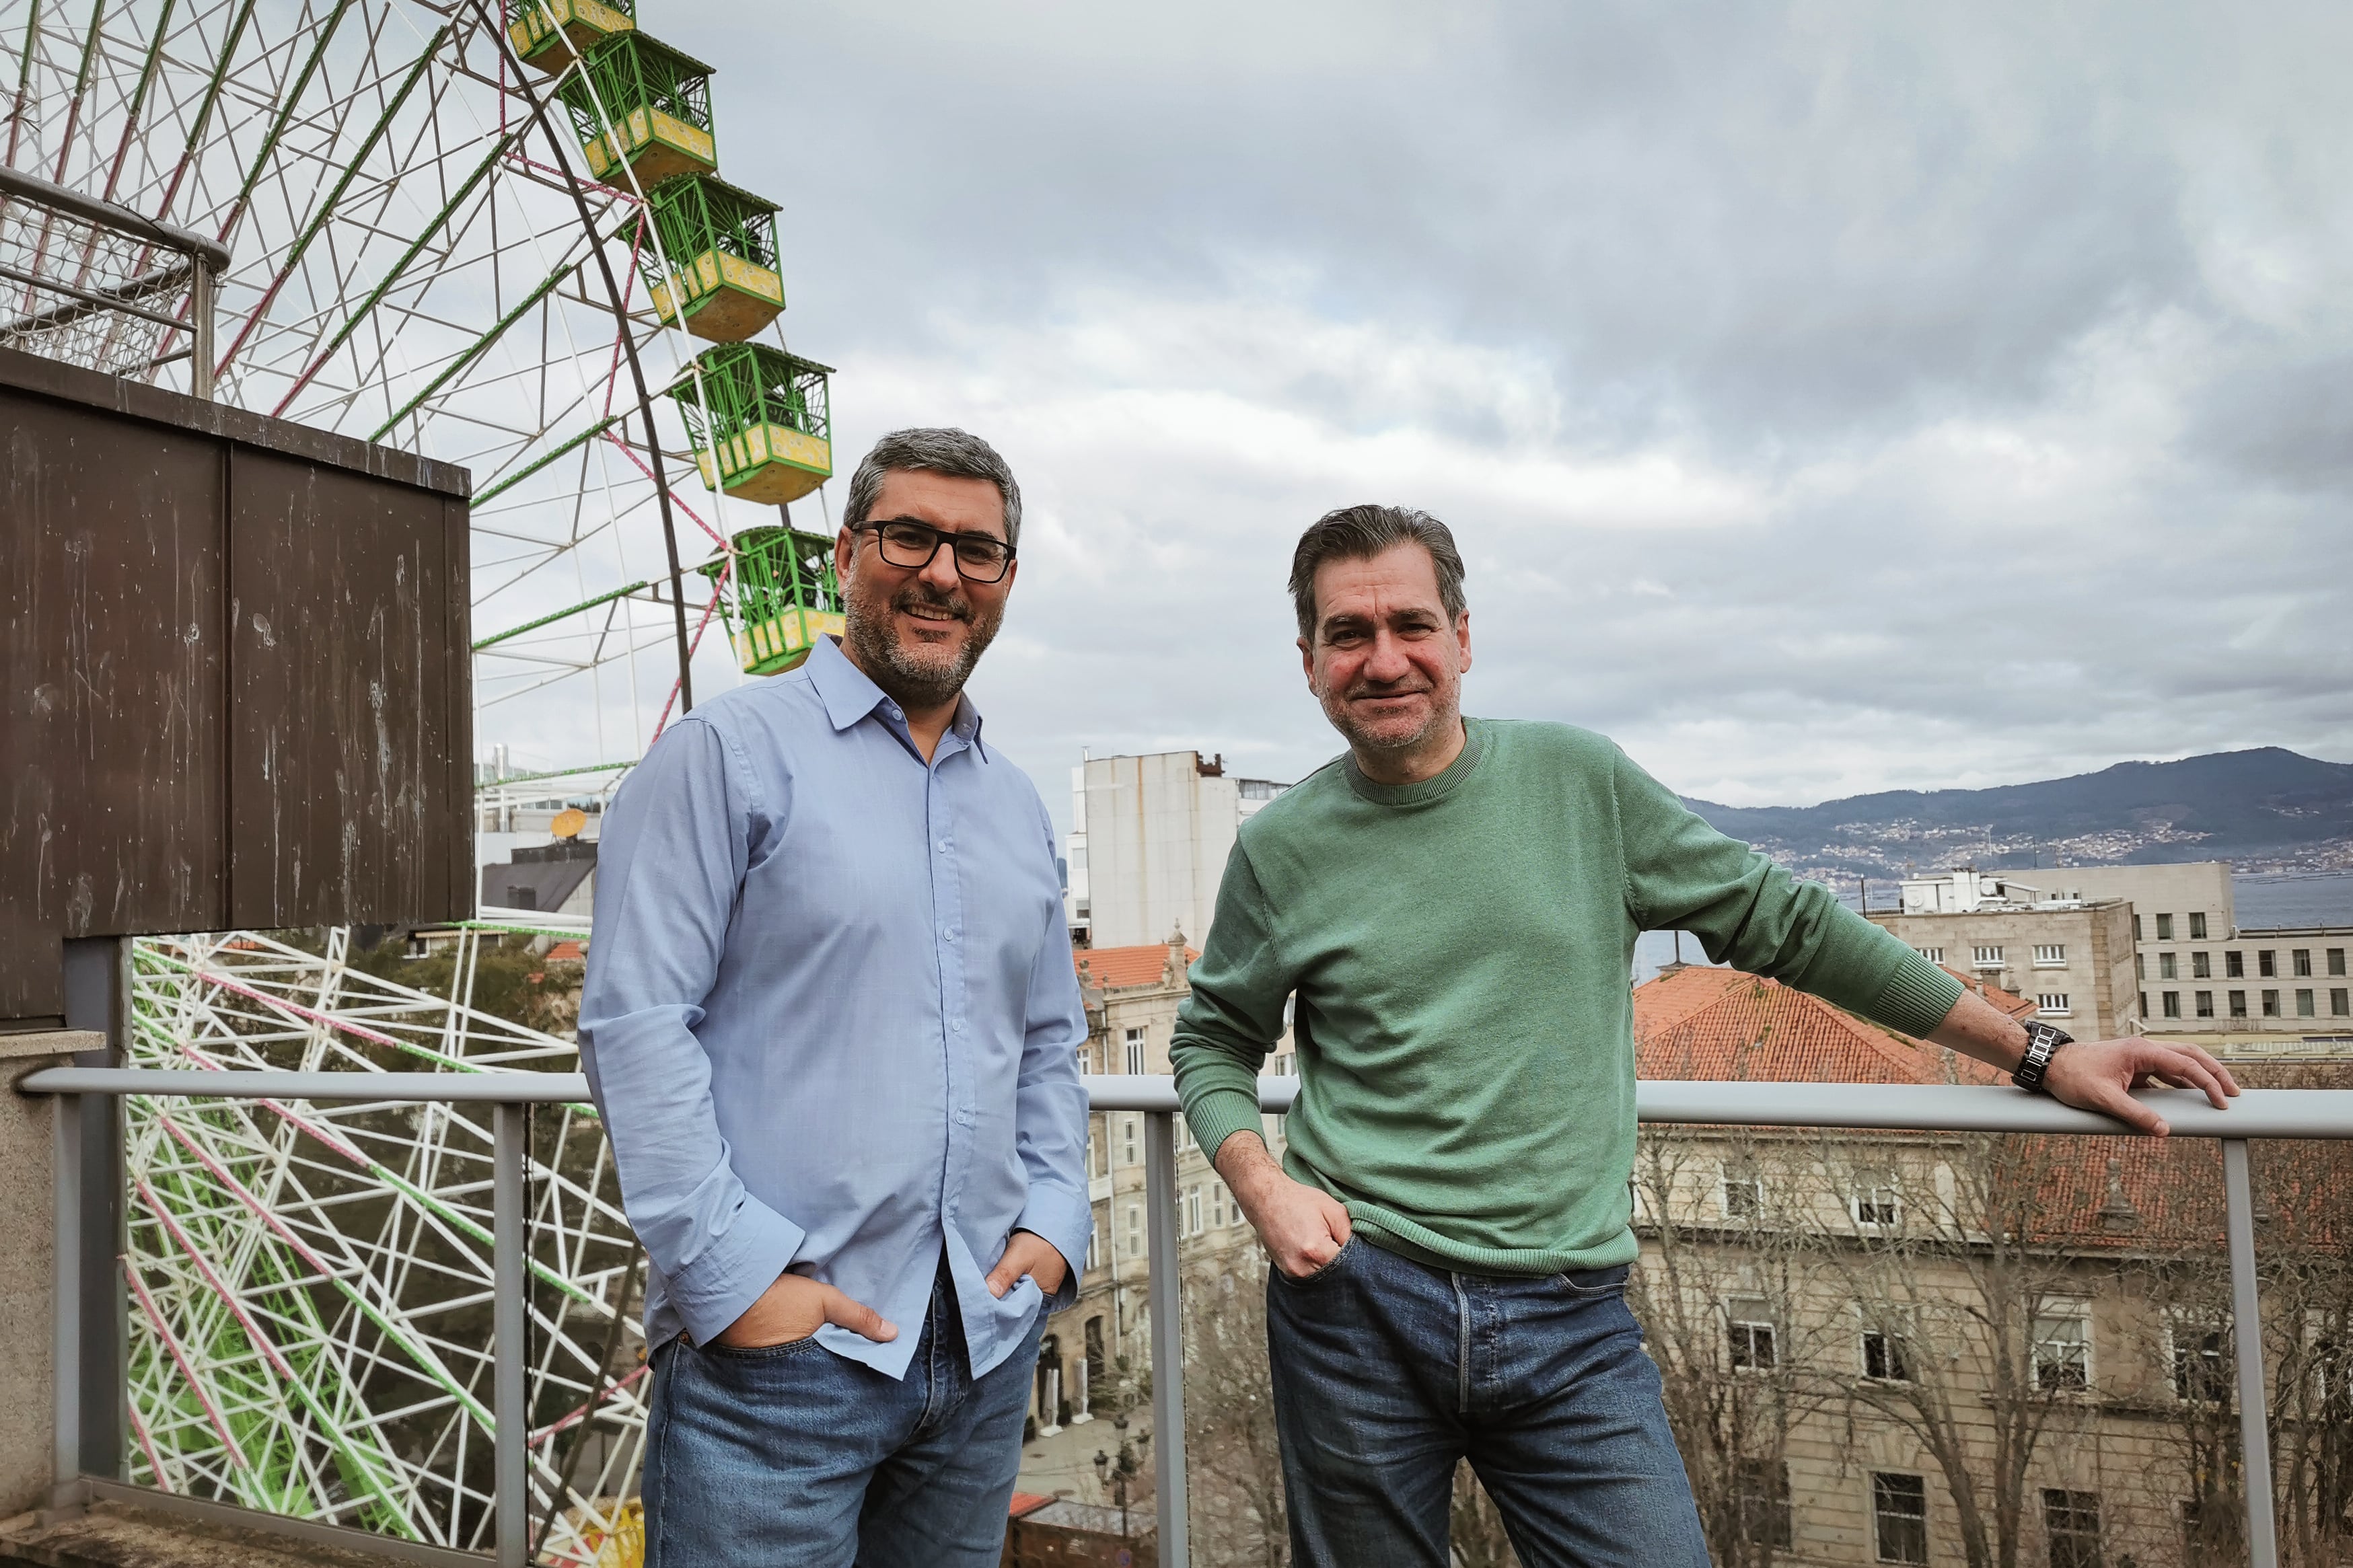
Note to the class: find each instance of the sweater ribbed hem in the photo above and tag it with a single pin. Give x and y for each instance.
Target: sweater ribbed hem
(1916, 997)
(1392, 1232)
(1217, 1115)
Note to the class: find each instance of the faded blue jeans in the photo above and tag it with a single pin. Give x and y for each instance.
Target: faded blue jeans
(1387, 1374)
(793, 1456)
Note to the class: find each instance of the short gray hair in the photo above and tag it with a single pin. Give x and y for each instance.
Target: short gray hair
(1361, 533)
(935, 449)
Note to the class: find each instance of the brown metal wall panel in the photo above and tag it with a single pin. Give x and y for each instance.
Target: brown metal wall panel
(234, 674)
(342, 734)
(110, 711)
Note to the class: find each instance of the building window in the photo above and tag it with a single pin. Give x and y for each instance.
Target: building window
(1899, 1516)
(2205, 1003)
(1193, 1226)
(1760, 1499)
(2140, 966)
(2304, 1004)
(2071, 1525)
(1744, 1195)
(1136, 1230)
(2337, 999)
(2202, 1362)
(1988, 957)
(2144, 1004)
(1755, 1347)
(2336, 960)
(2234, 965)
(2051, 1003)
(2172, 1000)
(2302, 959)
(2271, 1005)
(1933, 954)
(1875, 1202)
(2238, 1004)
(2267, 964)
(2062, 1352)
(2165, 928)
(2201, 966)
(1130, 1130)
(1883, 1357)
(2198, 927)
(2049, 954)
(2136, 928)
(1134, 1054)
(2166, 969)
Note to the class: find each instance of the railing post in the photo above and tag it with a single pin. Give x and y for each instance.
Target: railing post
(510, 1493)
(2247, 1345)
(202, 294)
(65, 1468)
(1167, 1340)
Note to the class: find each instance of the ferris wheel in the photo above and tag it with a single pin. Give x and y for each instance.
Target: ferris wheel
(497, 236)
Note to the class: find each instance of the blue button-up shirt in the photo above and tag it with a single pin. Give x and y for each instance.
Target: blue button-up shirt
(831, 1018)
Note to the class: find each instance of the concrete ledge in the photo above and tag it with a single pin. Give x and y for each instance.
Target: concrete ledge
(128, 1527)
(50, 1042)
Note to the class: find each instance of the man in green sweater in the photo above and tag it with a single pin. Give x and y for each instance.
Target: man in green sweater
(1454, 905)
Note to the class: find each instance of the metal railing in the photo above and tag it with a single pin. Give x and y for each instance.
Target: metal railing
(2256, 1113)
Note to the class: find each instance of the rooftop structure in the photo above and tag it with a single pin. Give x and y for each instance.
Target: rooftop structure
(1148, 843)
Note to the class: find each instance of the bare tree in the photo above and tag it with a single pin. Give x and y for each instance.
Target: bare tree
(1234, 1468)
(1723, 1296)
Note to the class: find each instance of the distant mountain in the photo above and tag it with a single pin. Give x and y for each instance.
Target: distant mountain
(2263, 808)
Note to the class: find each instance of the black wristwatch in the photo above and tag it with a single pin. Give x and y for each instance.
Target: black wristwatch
(2042, 1043)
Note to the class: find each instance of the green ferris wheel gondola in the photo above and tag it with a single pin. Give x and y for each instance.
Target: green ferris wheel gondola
(781, 597)
(760, 421)
(658, 104)
(721, 244)
(546, 34)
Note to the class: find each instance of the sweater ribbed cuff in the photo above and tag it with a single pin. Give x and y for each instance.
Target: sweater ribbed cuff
(1917, 996)
(1217, 1115)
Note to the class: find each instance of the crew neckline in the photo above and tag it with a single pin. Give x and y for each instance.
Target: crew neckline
(1437, 787)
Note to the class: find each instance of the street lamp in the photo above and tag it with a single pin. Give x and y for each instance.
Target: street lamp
(1113, 1473)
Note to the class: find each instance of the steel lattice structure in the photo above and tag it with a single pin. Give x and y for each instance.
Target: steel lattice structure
(311, 1285)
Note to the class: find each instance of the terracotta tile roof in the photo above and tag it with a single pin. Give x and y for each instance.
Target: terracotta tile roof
(2121, 1193)
(1723, 1024)
(1113, 966)
(567, 953)
(1025, 1502)
(2009, 1002)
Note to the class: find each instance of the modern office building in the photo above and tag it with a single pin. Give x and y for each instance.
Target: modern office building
(1149, 838)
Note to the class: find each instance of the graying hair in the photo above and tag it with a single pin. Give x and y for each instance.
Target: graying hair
(938, 450)
(1361, 533)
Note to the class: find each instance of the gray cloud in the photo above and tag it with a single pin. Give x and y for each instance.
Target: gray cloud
(1829, 398)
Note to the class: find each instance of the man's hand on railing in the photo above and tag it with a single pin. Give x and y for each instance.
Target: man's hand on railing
(795, 1306)
(1302, 1227)
(2099, 1075)
(1029, 1253)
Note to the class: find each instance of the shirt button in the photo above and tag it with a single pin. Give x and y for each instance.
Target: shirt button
(959, 1025)
(949, 934)
(944, 845)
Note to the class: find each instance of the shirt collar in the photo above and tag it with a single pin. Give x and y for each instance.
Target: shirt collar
(850, 694)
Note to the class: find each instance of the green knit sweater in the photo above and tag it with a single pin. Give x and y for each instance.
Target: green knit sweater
(1459, 950)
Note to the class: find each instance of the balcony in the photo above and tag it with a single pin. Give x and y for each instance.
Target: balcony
(510, 1498)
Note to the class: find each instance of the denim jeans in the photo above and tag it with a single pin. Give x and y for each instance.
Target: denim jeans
(791, 1456)
(1387, 1374)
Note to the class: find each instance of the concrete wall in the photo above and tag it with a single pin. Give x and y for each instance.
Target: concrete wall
(1159, 831)
(2095, 973)
(28, 1267)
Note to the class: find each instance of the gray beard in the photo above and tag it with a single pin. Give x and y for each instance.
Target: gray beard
(912, 680)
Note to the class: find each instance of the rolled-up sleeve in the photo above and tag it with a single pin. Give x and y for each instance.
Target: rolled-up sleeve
(1051, 1109)
(671, 861)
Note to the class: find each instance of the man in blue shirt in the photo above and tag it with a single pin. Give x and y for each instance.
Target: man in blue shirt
(831, 1025)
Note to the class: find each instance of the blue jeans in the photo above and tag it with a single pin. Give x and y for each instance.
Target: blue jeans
(1388, 1374)
(790, 1457)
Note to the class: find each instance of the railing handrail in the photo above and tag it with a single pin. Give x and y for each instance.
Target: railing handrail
(1924, 1107)
(1928, 1108)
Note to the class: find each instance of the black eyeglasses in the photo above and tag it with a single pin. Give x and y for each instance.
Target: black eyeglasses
(979, 557)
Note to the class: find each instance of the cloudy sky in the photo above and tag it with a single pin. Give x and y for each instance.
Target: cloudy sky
(1827, 397)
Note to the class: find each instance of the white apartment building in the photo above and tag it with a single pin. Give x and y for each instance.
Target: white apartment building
(1149, 838)
(2263, 991)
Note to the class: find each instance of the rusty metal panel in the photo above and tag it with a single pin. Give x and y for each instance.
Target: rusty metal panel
(340, 585)
(234, 675)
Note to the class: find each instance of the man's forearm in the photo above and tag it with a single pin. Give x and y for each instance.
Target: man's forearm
(1975, 1028)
